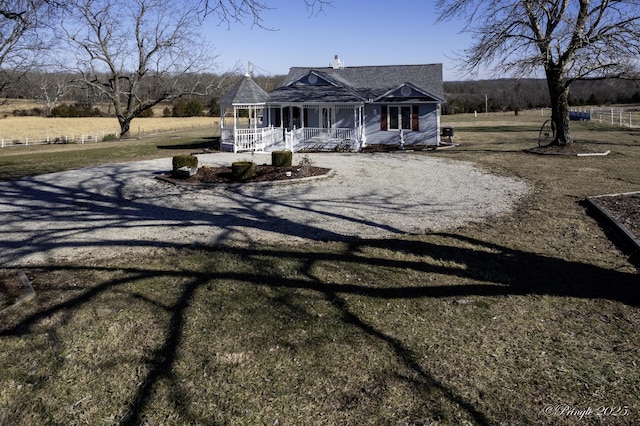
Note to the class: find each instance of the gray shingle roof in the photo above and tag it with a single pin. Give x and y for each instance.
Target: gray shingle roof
(374, 81)
(245, 91)
(334, 91)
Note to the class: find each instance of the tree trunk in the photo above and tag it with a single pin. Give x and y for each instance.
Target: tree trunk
(125, 125)
(559, 94)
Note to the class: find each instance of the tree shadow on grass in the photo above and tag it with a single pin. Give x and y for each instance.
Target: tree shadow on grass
(481, 270)
(208, 142)
(473, 268)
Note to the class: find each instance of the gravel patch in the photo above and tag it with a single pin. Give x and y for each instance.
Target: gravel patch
(105, 210)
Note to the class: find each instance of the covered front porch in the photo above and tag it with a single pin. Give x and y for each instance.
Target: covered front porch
(297, 128)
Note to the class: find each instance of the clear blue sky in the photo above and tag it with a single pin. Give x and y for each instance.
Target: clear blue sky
(361, 32)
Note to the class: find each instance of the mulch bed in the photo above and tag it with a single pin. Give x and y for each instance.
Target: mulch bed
(264, 173)
(625, 208)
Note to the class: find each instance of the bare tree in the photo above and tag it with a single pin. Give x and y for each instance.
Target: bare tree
(568, 39)
(23, 36)
(137, 53)
(52, 87)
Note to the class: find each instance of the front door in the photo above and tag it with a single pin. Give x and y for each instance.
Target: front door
(295, 112)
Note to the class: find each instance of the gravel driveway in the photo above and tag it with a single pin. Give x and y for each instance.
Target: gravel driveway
(99, 211)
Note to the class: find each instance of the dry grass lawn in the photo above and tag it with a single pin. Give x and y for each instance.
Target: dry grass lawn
(529, 319)
(38, 128)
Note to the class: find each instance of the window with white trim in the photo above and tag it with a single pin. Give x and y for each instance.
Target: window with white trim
(396, 117)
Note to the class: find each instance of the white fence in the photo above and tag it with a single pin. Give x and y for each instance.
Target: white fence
(611, 116)
(66, 139)
(618, 117)
(92, 135)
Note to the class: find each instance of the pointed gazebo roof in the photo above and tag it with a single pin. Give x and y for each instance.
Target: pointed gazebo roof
(244, 92)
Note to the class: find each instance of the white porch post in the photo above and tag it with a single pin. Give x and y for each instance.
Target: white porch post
(235, 128)
(255, 127)
(438, 107)
(235, 119)
(333, 120)
(355, 121)
(255, 117)
(363, 126)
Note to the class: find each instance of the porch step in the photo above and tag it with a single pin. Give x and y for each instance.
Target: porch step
(226, 146)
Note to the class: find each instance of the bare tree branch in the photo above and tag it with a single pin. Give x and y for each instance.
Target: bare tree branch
(23, 36)
(568, 39)
(235, 11)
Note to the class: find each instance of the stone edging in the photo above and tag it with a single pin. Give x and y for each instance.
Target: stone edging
(616, 223)
(329, 174)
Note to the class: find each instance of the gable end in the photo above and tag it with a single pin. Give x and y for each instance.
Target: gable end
(313, 78)
(408, 92)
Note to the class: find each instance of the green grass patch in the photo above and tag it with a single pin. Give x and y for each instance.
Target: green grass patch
(17, 162)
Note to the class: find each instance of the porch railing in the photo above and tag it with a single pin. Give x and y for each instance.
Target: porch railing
(262, 139)
(252, 139)
(326, 135)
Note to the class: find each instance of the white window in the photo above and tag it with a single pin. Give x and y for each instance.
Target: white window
(396, 117)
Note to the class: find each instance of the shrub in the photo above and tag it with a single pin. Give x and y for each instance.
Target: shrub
(194, 108)
(180, 108)
(190, 161)
(77, 110)
(109, 137)
(281, 158)
(243, 170)
(305, 165)
(147, 113)
(33, 112)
